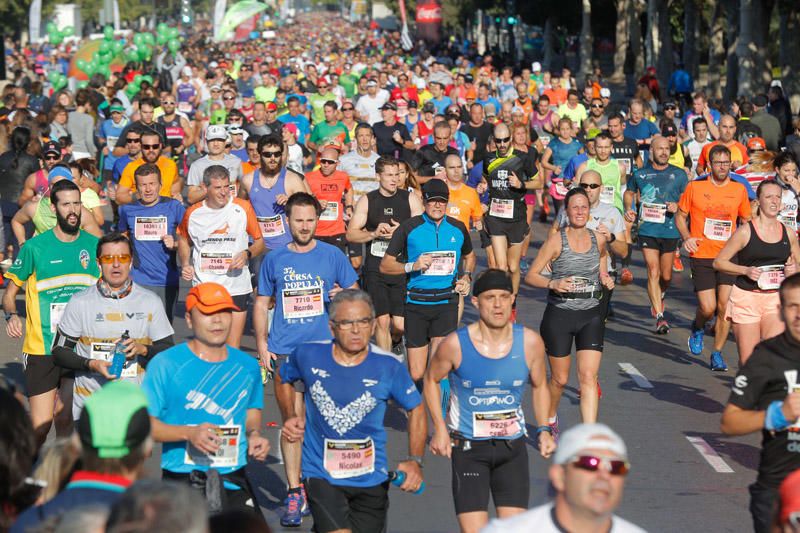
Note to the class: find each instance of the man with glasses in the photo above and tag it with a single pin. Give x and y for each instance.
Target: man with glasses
(216, 137)
(145, 123)
(229, 101)
(37, 184)
(330, 131)
(588, 456)
(300, 279)
(171, 183)
(727, 134)
(178, 130)
(708, 213)
(319, 100)
(403, 94)
(97, 318)
(597, 113)
(333, 190)
(133, 142)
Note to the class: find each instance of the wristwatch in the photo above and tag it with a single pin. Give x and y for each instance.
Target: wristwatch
(417, 459)
(249, 253)
(9, 315)
(612, 239)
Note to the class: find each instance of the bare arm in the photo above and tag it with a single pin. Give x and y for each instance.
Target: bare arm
(28, 190)
(124, 195)
(546, 254)
(89, 223)
(197, 193)
(446, 358)
(415, 203)
(22, 217)
(355, 229)
(723, 261)
(261, 328)
(738, 421)
(390, 266)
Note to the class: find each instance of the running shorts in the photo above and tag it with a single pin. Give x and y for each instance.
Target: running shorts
(388, 293)
(336, 507)
(424, 322)
(705, 277)
(750, 307)
(514, 231)
(560, 327)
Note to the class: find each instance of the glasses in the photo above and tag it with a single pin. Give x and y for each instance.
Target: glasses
(590, 185)
(348, 109)
(721, 163)
(273, 154)
(597, 106)
(123, 259)
(328, 161)
(320, 87)
(131, 140)
(228, 98)
(590, 463)
(167, 103)
(52, 157)
(244, 69)
(350, 325)
(502, 140)
(151, 146)
(670, 108)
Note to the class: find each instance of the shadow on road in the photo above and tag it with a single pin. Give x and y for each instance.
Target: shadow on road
(679, 394)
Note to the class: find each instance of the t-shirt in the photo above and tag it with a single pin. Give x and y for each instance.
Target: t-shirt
(769, 375)
(231, 162)
(184, 390)
(738, 156)
(169, 173)
(111, 132)
(361, 171)
(464, 204)
(97, 322)
(713, 212)
(576, 115)
(345, 437)
(302, 123)
(323, 133)
(153, 264)
(626, 151)
(119, 167)
(657, 188)
(480, 136)
(330, 189)
(370, 106)
(300, 283)
(643, 130)
(217, 235)
(542, 519)
(384, 139)
(54, 270)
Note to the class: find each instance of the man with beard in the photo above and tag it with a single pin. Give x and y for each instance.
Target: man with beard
(57, 264)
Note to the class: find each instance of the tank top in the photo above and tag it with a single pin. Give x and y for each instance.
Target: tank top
(381, 209)
(538, 124)
(43, 218)
(270, 215)
(174, 130)
(563, 152)
(770, 255)
(611, 193)
(423, 130)
(676, 158)
(486, 398)
(584, 268)
(42, 184)
(185, 92)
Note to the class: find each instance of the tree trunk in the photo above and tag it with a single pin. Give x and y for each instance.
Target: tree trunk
(652, 41)
(635, 10)
(762, 14)
(587, 42)
(745, 49)
(732, 36)
(716, 50)
(622, 40)
(665, 59)
(548, 52)
(691, 24)
(790, 44)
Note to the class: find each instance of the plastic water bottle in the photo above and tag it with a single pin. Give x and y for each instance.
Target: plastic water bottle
(118, 358)
(398, 477)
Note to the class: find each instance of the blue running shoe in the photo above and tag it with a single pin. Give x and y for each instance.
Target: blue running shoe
(696, 341)
(445, 386)
(718, 363)
(293, 516)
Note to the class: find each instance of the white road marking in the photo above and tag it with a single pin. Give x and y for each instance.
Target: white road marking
(708, 453)
(635, 375)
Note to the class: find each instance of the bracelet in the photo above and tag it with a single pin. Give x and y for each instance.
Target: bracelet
(612, 239)
(249, 253)
(9, 315)
(409, 267)
(541, 429)
(417, 459)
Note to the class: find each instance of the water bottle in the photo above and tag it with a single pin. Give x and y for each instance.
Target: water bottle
(118, 358)
(398, 477)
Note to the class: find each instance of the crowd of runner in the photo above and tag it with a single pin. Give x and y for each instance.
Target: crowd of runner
(333, 187)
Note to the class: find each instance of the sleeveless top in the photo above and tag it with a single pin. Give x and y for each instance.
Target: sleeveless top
(382, 209)
(486, 398)
(538, 124)
(175, 133)
(677, 158)
(771, 256)
(42, 184)
(43, 218)
(584, 268)
(271, 216)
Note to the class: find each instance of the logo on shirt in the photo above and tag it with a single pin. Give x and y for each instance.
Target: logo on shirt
(221, 231)
(343, 419)
(369, 382)
(388, 211)
(319, 372)
(83, 257)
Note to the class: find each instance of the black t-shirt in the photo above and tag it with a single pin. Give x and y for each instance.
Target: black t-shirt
(497, 172)
(480, 136)
(769, 375)
(384, 143)
(427, 159)
(626, 151)
(12, 177)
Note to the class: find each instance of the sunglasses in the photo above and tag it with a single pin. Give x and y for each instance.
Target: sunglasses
(670, 107)
(111, 259)
(328, 161)
(322, 86)
(52, 157)
(502, 140)
(167, 103)
(274, 155)
(228, 98)
(590, 463)
(131, 140)
(592, 186)
(597, 106)
(151, 146)
(348, 109)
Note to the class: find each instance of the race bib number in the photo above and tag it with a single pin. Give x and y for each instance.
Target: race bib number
(378, 247)
(442, 263)
(607, 194)
(495, 424)
(56, 312)
(771, 277)
(561, 189)
(579, 284)
(227, 454)
(718, 230)
(234, 189)
(150, 228)
(303, 303)
(215, 262)
(656, 213)
(184, 107)
(331, 212)
(349, 458)
(271, 226)
(502, 208)
(627, 164)
(790, 221)
(104, 351)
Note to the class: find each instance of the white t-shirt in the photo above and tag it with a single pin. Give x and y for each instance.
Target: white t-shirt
(361, 171)
(540, 519)
(370, 106)
(229, 161)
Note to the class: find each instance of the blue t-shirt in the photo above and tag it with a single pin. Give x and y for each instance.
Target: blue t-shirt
(658, 187)
(300, 283)
(643, 130)
(111, 132)
(153, 264)
(441, 104)
(184, 390)
(302, 123)
(241, 153)
(119, 167)
(347, 404)
(491, 100)
(574, 163)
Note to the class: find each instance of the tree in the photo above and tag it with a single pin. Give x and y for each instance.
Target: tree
(622, 39)
(789, 33)
(691, 40)
(745, 49)
(716, 49)
(587, 42)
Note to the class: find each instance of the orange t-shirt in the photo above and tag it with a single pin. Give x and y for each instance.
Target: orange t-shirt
(713, 213)
(464, 205)
(738, 156)
(330, 190)
(556, 96)
(248, 167)
(169, 172)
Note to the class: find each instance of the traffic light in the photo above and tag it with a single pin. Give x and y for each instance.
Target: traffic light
(186, 12)
(512, 21)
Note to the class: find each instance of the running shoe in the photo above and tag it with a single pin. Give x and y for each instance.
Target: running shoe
(295, 502)
(556, 431)
(662, 326)
(696, 341)
(677, 264)
(718, 363)
(626, 276)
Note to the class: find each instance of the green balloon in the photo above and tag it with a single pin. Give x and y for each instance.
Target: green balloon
(138, 39)
(106, 46)
(108, 33)
(83, 84)
(131, 90)
(162, 27)
(81, 64)
(173, 33)
(150, 39)
(51, 27)
(145, 52)
(174, 45)
(56, 37)
(60, 83)
(148, 78)
(105, 58)
(161, 39)
(68, 31)
(118, 47)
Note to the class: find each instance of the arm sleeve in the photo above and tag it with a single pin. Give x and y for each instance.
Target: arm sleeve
(255, 397)
(126, 180)
(745, 210)
(64, 352)
(253, 228)
(466, 246)
(159, 346)
(633, 183)
(154, 387)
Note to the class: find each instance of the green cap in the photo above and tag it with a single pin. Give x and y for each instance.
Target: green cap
(114, 420)
(592, 133)
(118, 108)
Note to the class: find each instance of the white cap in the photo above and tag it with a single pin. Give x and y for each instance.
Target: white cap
(776, 83)
(235, 129)
(420, 83)
(216, 132)
(605, 92)
(589, 437)
(536, 66)
(213, 64)
(186, 71)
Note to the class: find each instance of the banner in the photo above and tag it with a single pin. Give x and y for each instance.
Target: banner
(116, 16)
(405, 37)
(35, 21)
(219, 14)
(236, 15)
(429, 21)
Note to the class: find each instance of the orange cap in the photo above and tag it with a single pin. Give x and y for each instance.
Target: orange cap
(210, 298)
(756, 143)
(790, 496)
(471, 93)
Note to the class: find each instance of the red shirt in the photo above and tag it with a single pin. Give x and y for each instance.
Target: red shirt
(330, 192)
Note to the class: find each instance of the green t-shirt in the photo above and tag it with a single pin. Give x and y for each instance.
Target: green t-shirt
(349, 83)
(265, 94)
(53, 271)
(317, 102)
(323, 133)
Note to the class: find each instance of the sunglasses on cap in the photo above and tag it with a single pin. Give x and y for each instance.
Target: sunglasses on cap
(591, 185)
(590, 463)
(111, 259)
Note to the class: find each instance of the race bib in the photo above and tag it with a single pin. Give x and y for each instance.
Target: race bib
(378, 247)
(495, 424)
(718, 230)
(627, 164)
(184, 107)
(771, 277)
(226, 455)
(561, 189)
(271, 226)
(579, 285)
(607, 194)
(331, 212)
(349, 458)
(790, 221)
(303, 303)
(656, 213)
(56, 312)
(104, 351)
(501, 208)
(215, 262)
(150, 228)
(442, 263)
(234, 189)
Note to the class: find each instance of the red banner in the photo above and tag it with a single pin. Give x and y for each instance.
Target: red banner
(429, 21)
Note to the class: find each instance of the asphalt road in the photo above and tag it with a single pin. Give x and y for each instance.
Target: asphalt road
(665, 403)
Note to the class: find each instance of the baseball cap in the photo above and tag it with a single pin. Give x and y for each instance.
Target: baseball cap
(271, 106)
(605, 92)
(756, 143)
(389, 105)
(669, 130)
(469, 78)
(114, 420)
(760, 100)
(235, 130)
(186, 71)
(592, 133)
(435, 188)
(215, 87)
(492, 279)
(413, 103)
(536, 66)
(59, 171)
(210, 297)
(372, 83)
(216, 132)
(213, 64)
(51, 147)
(429, 107)
(588, 437)
(789, 492)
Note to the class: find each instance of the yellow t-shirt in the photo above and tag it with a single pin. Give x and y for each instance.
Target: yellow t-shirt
(169, 172)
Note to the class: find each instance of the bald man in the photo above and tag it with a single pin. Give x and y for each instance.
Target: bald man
(727, 132)
(333, 190)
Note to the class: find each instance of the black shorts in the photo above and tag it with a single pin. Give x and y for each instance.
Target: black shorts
(235, 500)
(424, 322)
(359, 509)
(514, 231)
(705, 277)
(388, 293)
(242, 301)
(496, 466)
(664, 246)
(486, 241)
(42, 375)
(561, 326)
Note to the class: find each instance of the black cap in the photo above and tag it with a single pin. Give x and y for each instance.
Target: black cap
(435, 188)
(760, 100)
(389, 105)
(468, 78)
(492, 279)
(413, 103)
(668, 130)
(51, 147)
(429, 107)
